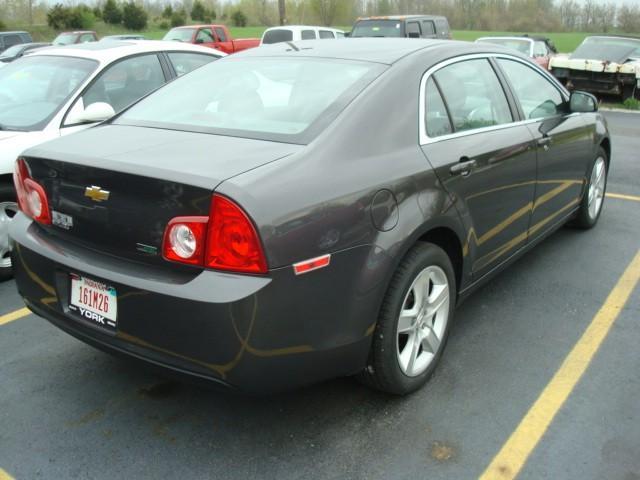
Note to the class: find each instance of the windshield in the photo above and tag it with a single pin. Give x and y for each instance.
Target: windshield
(12, 51)
(180, 34)
(377, 28)
(277, 35)
(32, 89)
(522, 46)
(278, 99)
(65, 39)
(611, 49)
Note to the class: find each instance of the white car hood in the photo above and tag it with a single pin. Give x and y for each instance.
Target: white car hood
(12, 144)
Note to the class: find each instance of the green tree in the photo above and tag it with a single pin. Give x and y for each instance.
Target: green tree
(2, 25)
(239, 19)
(167, 12)
(134, 17)
(178, 18)
(111, 13)
(58, 16)
(198, 12)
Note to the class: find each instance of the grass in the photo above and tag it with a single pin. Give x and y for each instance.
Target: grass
(565, 42)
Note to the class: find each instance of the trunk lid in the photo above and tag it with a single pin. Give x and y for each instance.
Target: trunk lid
(115, 188)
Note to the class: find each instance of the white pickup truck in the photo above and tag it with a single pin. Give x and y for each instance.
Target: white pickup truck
(601, 64)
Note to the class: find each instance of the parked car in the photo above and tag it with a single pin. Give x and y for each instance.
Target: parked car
(56, 91)
(411, 26)
(17, 51)
(540, 49)
(293, 33)
(9, 39)
(128, 36)
(273, 231)
(70, 38)
(214, 36)
(602, 64)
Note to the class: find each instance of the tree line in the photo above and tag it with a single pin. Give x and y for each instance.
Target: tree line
(496, 15)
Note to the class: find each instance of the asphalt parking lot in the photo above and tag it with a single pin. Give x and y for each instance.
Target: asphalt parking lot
(69, 411)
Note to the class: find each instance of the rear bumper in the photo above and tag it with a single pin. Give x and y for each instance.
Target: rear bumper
(254, 334)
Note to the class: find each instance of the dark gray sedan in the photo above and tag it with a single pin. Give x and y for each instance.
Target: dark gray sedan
(305, 210)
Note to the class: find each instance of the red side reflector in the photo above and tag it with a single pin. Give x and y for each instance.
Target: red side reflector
(312, 264)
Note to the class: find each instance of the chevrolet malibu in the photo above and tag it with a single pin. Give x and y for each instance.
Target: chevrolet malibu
(319, 213)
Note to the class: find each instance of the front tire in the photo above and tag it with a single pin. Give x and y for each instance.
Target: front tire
(594, 195)
(8, 208)
(414, 321)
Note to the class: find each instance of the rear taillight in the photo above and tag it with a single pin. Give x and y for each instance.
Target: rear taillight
(32, 198)
(226, 240)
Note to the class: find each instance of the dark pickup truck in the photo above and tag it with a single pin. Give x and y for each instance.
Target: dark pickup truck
(411, 26)
(214, 36)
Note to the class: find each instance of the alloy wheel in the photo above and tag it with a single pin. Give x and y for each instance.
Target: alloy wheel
(423, 321)
(7, 211)
(597, 185)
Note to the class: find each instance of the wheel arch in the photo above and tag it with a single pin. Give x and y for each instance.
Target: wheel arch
(605, 143)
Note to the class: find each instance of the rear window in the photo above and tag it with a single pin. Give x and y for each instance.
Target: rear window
(289, 100)
(377, 28)
(277, 36)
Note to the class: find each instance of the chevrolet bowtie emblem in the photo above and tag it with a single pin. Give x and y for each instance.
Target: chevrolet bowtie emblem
(96, 193)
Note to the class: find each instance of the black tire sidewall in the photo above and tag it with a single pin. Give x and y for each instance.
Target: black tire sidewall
(386, 365)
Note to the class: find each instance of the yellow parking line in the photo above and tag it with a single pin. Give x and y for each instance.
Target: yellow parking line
(4, 475)
(10, 317)
(623, 197)
(514, 453)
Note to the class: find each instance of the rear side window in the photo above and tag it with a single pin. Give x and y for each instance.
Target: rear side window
(87, 37)
(11, 40)
(428, 28)
(220, 33)
(473, 95)
(538, 97)
(308, 35)
(436, 116)
(277, 36)
(326, 34)
(186, 62)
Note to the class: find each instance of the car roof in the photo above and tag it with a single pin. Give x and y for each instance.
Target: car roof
(399, 17)
(510, 37)
(630, 37)
(13, 32)
(76, 32)
(379, 50)
(106, 52)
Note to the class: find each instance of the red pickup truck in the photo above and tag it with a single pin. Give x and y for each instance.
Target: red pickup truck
(214, 36)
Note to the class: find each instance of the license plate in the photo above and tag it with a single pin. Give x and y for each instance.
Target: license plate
(94, 301)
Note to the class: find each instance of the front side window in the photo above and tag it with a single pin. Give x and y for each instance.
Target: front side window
(436, 116)
(125, 82)
(473, 95)
(326, 34)
(87, 37)
(308, 35)
(539, 49)
(222, 37)
(428, 28)
(34, 88)
(65, 39)
(538, 97)
(11, 40)
(184, 62)
(266, 98)
(204, 36)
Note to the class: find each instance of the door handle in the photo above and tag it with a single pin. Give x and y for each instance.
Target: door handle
(463, 167)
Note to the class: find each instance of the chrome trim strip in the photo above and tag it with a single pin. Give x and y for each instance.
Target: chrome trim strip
(426, 139)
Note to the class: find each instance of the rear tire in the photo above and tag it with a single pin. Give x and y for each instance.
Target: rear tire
(413, 323)
(594, 193)
(8, 209)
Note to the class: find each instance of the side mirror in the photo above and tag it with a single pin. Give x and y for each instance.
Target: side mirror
(583, 102)
(96, 112)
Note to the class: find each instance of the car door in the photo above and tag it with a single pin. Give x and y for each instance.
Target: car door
(484, 159)
(205, 37)
(224, 43)
(563, 142)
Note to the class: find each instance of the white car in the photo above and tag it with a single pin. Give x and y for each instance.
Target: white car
(58, 91)
(602, 64)
(292, 33)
